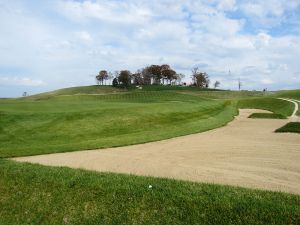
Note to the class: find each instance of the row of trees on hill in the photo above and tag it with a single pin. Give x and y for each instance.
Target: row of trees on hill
(154, 74)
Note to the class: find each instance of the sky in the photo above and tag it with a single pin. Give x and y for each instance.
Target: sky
(51, 44)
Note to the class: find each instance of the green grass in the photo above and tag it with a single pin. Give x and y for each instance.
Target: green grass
(75, 118)
(222, 94)
(72, 119)
(274, 105)
(69, 123)
(88, 90)
(292, 127)
(293, 94)
(33, 194)
(267, 116)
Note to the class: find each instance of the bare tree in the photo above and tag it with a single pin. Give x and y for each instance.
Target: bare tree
(200, 79)
(217, 84)
(195, 71)
(180, 76)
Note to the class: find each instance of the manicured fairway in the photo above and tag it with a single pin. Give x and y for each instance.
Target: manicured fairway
(32, 194)
(100, 117)
(66, 123)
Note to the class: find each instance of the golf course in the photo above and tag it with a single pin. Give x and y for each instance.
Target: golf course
(156, 155)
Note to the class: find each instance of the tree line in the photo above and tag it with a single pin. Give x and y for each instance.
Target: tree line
(153, 75)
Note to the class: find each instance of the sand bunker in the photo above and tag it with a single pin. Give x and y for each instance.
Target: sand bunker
(246, 153)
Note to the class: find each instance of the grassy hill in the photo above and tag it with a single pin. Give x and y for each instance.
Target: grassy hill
(101, 116)
(98, 117)
(294, 94)
(68, 123)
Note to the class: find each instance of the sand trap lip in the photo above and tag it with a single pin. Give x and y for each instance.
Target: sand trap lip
(245, 153)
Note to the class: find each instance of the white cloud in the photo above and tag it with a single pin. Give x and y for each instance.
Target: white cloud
(267, 81)
(86, 36)
(20, 81)
(262, 40)
(225, 5)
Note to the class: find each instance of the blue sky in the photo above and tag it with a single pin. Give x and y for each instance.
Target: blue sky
(50, 44)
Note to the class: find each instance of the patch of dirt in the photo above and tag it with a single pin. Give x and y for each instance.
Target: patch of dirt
(245, 153)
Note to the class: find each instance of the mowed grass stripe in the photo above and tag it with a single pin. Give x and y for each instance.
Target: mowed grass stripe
(69, 123)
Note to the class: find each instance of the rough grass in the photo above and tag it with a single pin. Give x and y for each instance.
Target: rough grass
(33, 194)
(222, 94)
(87, 90)
(267, 116)
(274, 105)
(292, 127)
(293, 94)
(68, 123)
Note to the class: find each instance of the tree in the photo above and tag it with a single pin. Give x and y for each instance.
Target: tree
(155, 71)
(98, 79)
(146, 76)
(200, 79)
(125, 78)
(195, 71)
(138, 78)
(180, 76)
(110, 77)
(169, 74)
(102, 76)
(164, 68)
(217, 84)
(115, 82)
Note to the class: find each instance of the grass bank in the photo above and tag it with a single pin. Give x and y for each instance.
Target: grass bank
(274, 105)
(69, 123)
(267, 116)
(33, 194)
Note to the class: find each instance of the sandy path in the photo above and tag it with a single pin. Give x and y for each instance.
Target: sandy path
(246, 153)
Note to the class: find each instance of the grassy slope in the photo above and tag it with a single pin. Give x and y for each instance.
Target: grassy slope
(293, 94)
(292, 127)
(266, 116)
(68, 123)
(232, 95)
(33, 194)
(94, 89)
(117, 117)
(272, 104)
